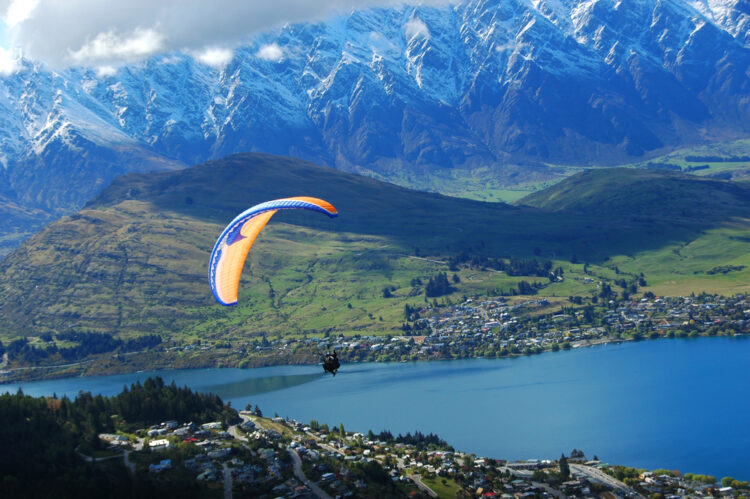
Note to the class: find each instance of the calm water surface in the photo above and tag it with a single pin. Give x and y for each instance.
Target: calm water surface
(677, 404)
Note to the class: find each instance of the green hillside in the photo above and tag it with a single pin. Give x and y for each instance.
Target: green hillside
(715, 215)
(134, 261)
(17, 223)
(623, 192)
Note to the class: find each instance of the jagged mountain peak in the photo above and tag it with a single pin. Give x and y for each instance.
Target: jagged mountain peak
(402, 89)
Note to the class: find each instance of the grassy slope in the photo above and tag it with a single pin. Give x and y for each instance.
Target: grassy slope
(734, 170)
(665, 195)
(134, 261)
(720, 208)
(17, 223)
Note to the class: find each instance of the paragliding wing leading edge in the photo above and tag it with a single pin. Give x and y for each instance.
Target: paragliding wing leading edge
(234, 243)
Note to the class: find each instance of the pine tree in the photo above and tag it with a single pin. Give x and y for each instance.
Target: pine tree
(564, 468)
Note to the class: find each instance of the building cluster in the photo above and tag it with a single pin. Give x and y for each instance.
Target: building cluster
(496, 328)
(285, 458)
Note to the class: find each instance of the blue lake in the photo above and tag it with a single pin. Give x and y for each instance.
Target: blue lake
(677, 404)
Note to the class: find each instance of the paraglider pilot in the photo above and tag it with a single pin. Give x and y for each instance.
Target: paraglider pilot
(331, 363)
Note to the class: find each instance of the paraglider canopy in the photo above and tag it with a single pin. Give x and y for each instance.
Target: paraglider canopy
(231, 249)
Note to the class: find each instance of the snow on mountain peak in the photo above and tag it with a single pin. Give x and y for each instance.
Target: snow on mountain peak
(432, 85)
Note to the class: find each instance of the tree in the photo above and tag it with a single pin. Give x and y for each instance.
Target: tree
(438, 285)
(564, 468)
(524, 288)
(588, 314)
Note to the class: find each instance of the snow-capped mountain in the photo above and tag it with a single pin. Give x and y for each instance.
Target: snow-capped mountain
(482, 82)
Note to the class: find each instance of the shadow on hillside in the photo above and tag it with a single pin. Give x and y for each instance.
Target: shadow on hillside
(618, 219)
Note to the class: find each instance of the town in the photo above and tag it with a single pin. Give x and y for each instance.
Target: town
(277, 457)
(495, 327)
(474, 327)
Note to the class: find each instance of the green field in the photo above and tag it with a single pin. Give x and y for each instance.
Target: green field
(491, 184)
(447, 490)
(736, 170)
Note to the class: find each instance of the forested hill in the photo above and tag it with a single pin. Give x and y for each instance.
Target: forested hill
(42, 439)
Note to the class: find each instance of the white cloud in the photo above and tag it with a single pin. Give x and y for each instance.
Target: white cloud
(110, 46)
(270, 52)
(108, 32)
(18, 11)
(104, 71)
(416, 27)
(215, 57)
(8, 61)
(170, 59)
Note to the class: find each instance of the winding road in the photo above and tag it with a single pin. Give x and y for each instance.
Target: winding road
(596, 475)
(297, 463)
(417, 479)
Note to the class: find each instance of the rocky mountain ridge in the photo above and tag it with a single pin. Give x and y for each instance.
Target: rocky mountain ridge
(395, 92)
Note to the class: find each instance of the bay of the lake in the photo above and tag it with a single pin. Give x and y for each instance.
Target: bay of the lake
(680, 404)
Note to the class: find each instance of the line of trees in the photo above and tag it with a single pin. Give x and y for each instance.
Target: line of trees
(88, 344)
(717, 159)
(419, 439)
(512, 266)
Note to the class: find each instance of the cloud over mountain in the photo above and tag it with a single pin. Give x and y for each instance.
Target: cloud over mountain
(106, 32)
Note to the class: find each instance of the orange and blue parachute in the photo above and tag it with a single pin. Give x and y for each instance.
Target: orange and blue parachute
(233, 245)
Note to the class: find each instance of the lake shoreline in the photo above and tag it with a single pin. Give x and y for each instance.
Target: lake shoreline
(68, 370)
(602, 400)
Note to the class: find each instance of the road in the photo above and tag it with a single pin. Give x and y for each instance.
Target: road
(552, 492)
(324, 445)
(427, 259)
(232, 430)
(297, 463)
(91, 459)
(417, 479)
(126, 459)
(49, 367)
(596, 475)
(227, 481)
(315, 489)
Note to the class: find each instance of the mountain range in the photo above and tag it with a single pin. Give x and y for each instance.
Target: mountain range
(398, 93)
